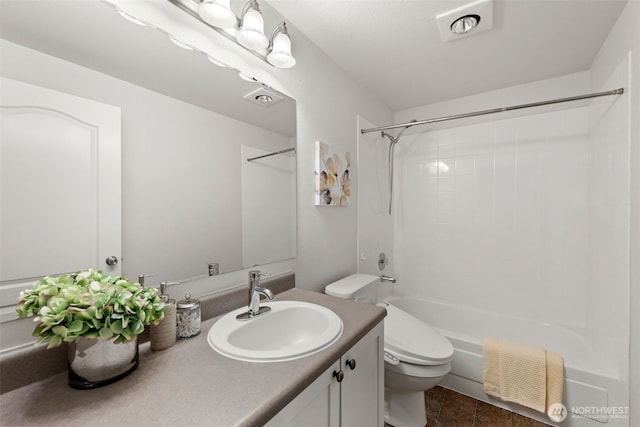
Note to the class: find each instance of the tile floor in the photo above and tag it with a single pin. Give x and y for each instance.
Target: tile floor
(446, 408)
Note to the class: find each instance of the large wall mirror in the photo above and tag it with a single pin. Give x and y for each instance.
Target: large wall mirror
(191, 196)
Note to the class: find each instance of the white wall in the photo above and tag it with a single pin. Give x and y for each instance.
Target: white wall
(620, 50)
(328, 104)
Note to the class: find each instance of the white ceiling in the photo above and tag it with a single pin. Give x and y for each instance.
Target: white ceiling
(393, 47)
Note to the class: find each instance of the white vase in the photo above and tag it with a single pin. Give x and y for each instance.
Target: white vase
(95, 363)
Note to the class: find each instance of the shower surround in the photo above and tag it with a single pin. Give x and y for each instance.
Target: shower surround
(516, 227)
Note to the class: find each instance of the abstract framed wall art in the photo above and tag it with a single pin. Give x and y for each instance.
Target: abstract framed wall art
(332, 169)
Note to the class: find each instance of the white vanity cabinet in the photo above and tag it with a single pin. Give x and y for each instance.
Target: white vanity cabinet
(350, 393)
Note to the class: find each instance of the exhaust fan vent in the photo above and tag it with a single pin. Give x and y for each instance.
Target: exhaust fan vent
(466, 21)
(263, 97)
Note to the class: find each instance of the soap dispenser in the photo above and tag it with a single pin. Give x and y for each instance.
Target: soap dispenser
(163, 335)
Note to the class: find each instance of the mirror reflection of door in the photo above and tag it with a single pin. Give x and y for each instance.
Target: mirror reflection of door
(59, 186)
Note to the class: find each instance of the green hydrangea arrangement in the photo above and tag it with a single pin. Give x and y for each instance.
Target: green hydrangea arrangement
(89, 304)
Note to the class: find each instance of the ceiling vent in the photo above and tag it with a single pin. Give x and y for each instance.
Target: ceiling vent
(466, 20)
(263, 97)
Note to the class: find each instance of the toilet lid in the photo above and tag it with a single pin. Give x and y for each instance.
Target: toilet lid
(413, 341)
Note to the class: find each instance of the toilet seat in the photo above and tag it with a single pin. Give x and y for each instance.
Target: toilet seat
(413, 341)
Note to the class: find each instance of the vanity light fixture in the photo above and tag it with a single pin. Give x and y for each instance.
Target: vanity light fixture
(177, 41)
(247, 31)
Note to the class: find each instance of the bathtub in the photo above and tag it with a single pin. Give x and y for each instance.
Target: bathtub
(588, 386)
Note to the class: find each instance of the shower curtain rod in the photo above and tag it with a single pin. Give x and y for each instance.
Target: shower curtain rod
(272, 154)
(619, 91)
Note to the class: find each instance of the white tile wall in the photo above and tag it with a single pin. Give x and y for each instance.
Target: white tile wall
(494, 216)
(609, 222)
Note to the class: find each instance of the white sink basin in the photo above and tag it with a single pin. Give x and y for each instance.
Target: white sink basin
(291, 330)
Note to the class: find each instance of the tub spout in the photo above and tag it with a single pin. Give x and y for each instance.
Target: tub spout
(384, 278)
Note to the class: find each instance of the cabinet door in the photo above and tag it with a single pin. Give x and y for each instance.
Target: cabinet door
(362, 389)
(317, 406)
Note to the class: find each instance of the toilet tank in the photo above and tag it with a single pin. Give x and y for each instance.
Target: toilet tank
(357, 287)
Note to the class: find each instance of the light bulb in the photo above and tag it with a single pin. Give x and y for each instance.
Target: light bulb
(130, 18)
(264, 99)
(251, 33)
(246, 78)
(465, 24)
(180, 43)
(215, 61)
(217, 13)
(280, 55)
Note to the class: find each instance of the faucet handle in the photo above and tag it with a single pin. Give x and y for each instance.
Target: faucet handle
(257, 274)
(142, 277)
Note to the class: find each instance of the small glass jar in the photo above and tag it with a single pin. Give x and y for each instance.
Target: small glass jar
(188, 317)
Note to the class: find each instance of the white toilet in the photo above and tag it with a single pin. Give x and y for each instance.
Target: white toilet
(416, 356)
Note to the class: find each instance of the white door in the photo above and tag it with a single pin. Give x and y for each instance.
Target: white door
(59, 186)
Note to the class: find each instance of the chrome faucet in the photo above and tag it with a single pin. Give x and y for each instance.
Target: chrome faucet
(384, 278)
(255, 290)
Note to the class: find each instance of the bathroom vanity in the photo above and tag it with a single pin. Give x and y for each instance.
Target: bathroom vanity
(191, 384)
(348, 393)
